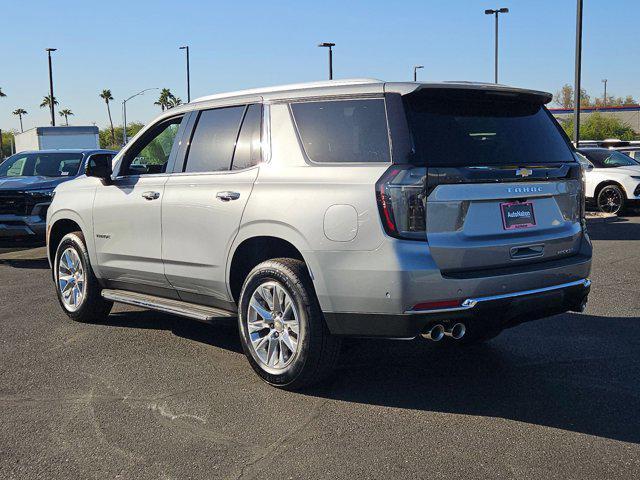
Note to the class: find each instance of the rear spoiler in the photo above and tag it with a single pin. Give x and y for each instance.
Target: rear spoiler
(534, 96)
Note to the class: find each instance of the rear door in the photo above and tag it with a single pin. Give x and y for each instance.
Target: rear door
(205, 198)
(502, 184)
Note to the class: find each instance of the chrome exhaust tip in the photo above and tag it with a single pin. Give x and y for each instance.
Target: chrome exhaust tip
(456, 331)
(435, 334)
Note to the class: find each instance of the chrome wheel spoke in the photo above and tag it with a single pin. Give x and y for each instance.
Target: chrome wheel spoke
(272, 326)
(71, 280)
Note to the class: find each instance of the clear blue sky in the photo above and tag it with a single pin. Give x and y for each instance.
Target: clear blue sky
(128, 46)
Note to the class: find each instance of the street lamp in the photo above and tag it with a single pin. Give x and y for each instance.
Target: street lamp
(578, 68)
(330, 46)
(496, 12)
(186, 47)
(124, 113)
(604, 99)
(415, 72)
(51, 106)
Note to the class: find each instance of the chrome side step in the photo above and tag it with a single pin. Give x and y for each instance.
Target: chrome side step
(175, 307)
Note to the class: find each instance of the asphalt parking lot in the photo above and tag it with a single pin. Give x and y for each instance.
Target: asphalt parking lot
(148, 395)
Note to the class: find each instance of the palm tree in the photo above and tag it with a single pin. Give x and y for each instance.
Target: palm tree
(2, 94)
(20, 112)
(46, 101)
(174, 102)
(163, 100)
(106, 96)
(65, 113)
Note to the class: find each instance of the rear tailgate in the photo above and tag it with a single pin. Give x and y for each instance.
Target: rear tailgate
(486, 225)
(502, 184)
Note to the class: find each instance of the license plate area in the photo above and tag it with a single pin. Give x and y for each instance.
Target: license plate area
(516, 215)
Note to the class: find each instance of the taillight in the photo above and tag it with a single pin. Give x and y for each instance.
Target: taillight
(401, 199)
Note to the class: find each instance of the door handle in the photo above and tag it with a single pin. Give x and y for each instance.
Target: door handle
(151, 195)
(226, 196)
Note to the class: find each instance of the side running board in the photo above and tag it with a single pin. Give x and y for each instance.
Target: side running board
(176, 307)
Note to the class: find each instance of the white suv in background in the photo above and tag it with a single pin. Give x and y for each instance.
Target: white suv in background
(614, 181)
(310, 212)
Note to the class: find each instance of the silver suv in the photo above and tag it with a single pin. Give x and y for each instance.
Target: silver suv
(345, 208)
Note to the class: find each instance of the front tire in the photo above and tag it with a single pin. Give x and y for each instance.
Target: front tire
(77, 287)
(611, 199)
(282, 329)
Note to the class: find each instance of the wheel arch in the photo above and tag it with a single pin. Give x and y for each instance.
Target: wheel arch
(60, 225)
(606, 183)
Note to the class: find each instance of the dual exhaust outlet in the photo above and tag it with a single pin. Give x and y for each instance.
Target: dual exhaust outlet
(439, 331)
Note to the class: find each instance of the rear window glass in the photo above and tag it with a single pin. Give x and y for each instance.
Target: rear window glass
(467, 128)
(343, 131)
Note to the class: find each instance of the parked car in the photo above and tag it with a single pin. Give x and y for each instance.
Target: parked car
(614, 181)
(27, 183)
(633, 152)
(344, 208)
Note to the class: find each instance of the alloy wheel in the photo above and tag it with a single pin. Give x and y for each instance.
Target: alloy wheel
(273, 326)
(71, 280)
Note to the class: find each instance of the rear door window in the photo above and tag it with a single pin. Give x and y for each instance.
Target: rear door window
(248, 149)
(472, 128)
(343, 131)
(214, 140)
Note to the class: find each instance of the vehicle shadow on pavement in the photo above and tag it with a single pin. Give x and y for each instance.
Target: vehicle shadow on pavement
(578, 372)
(29, 263)
(615, 228)
(223, 335)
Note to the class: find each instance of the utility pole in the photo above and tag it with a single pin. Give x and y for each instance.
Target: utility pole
(415, 72)
(186, 47)
(330, 46)
(604, 99)
(51, 97)
(578, 67)
(496, 12)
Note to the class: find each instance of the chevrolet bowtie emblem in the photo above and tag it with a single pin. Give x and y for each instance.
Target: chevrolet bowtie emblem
(523, 172)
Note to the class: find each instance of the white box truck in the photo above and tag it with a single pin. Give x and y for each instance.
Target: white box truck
(46, 138)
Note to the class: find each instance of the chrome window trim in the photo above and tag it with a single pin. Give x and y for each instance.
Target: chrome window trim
(470, 303)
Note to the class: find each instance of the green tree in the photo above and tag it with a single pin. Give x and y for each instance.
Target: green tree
(20, 112)
(107, 97)
(174, 102)
(564, 97)
(46, 101)
(7, 143)
(65, 113)
(598, 126)
(106, 138)
(165, 99)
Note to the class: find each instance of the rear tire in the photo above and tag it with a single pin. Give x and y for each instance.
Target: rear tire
(611, 199)
(286, 341)
(77, 287)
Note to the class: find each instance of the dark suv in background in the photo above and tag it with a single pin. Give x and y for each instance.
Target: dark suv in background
(27, 182)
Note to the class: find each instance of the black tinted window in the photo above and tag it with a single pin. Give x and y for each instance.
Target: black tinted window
(343, 130)
(463, 128)
(214, 140)
(248, 150)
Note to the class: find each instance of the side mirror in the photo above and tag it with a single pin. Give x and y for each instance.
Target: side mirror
(99, 166)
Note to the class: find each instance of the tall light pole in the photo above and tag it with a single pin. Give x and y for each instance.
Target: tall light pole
(415, 72)
(578, 68)
(496, 12)
(124, 113)
(604, 99)
(330, 46)
(51, 97)
(186, 47)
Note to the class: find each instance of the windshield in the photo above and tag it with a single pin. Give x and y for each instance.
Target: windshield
(603, 158)
(472, 128)
(41, 164)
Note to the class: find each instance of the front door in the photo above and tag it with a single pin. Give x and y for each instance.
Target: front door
(202, 205)
(127, 212)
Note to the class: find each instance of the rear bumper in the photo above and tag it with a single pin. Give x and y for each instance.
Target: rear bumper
(504, 310)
